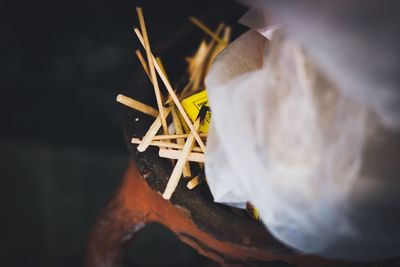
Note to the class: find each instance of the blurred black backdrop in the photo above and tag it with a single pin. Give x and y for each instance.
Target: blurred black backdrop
(61, 148)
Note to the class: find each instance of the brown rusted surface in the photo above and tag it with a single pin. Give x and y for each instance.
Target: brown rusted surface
(118, 222)
(136, 204)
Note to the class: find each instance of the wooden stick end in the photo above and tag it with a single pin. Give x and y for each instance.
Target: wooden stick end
(119, 97)
(167, 195)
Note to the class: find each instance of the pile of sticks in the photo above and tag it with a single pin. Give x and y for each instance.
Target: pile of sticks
(180, 140)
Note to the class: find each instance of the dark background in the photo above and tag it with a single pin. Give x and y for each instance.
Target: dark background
(61, 148)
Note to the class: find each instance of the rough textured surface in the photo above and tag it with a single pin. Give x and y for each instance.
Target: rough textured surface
(225, 223)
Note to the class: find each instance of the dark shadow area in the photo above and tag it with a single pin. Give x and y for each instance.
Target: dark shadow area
(62, 152)
(153, 239)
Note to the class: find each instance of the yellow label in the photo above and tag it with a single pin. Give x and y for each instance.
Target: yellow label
(253, 210)
(192, 106)
(256, 214)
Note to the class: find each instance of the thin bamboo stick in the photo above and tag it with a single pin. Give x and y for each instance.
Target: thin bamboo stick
(176, 154)
(146, 69)
(132, 103)
(202, 68)
(176, 136)
(164, 144)
(158, 59)
(207, 30)
(174, 96)
(179, 130)
(143, 63)
(146, 45)
(227, 34)
(193, 182)
(178, 169)
(151, 132)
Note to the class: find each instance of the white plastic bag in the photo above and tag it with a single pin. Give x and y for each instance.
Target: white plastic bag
(311, 159)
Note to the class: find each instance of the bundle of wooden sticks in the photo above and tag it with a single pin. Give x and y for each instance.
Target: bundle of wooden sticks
(181, 140)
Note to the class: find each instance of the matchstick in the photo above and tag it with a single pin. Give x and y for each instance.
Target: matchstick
(176, 136)
(174, 97)
(164, 144)
(177, 125)
(139, 106)
(176, 154)
(178, 169)
(200, 71)
(143, 63)
(217, 49)
(179, 130)
(207, 30)
(146, 45)
(158, 59)
(194, 182)
(151, 132)
(196, 59)
(146, 69)
(227, 34)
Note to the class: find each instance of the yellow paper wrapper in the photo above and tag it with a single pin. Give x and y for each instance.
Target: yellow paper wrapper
(192, 106)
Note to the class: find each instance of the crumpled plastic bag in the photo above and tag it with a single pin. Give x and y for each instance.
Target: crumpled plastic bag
(318, 165)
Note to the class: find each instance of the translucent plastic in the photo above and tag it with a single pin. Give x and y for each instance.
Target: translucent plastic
(311, 159)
